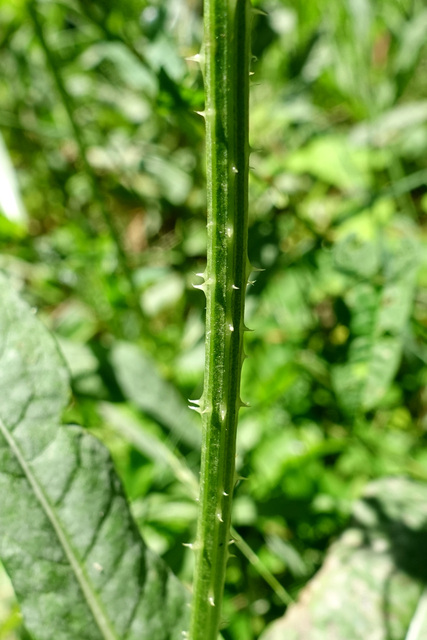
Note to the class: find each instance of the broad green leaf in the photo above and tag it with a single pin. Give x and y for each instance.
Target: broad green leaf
(333, 160)
(141, 383)
(76, 560)
(354, 256)
(371, 585)
(379, 317)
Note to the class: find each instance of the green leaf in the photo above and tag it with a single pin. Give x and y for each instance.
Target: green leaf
(379, 318)
(334, 160)
(130, 429)
(371, 584)
(412, 41)
(75, 557)
(141, 383)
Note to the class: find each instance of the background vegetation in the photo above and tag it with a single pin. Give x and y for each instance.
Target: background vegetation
(97, 113)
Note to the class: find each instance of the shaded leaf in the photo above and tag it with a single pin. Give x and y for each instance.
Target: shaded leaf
(372, 579)
(77, 562)
(379, 318)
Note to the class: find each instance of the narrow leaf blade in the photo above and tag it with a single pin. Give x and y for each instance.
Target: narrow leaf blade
(141, 383)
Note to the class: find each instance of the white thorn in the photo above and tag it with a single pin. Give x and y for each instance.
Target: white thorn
(211, 601)
(229, 232)
(201, 113)
(196, 58)
(230, 326)
(188, 544)
(234, 169)
(219, 516)
(197, 402)
(196, 409)
(233, 286)
(251, 73)
(224, 493)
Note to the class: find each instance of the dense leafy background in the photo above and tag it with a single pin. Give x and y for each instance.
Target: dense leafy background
(97, 111)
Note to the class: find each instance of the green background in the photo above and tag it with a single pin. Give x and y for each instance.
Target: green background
(98, 119)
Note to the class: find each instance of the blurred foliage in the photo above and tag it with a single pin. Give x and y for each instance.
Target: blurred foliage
(371, 570)
(97, 112)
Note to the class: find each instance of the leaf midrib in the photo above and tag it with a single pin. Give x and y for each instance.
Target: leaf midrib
(89, 593)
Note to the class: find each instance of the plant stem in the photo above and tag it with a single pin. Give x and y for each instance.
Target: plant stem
(68, 104)
(226, 70)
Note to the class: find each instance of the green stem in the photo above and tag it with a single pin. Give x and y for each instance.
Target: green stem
(69, 107)
(226, 69)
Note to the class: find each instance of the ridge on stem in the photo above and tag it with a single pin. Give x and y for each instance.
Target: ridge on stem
(226, 62)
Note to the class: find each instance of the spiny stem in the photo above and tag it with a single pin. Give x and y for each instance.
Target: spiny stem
(226, 70)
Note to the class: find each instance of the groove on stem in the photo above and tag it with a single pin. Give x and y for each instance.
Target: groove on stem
(226, 71)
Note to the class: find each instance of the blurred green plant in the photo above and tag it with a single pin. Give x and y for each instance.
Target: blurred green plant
(337, 220)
